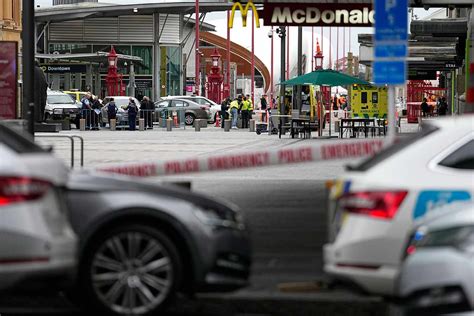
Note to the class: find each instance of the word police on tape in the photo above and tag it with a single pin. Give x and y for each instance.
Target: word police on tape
(312, 153)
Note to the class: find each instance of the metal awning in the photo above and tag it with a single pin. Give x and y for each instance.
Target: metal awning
(98, 57)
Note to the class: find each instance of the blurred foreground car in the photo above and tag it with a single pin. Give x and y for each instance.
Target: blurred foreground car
(437, 276)
(37, 244)
(140, 243)
(372, 208)
(192, 110)
(122, 114)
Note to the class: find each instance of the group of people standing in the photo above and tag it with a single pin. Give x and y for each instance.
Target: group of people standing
(441, 107)
(242, 105)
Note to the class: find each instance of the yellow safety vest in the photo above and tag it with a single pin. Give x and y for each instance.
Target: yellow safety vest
(245, 105)
(234, 104)
(250, 106)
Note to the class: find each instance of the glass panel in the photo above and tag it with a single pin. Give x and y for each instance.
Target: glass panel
(178, 103)
(173, 71)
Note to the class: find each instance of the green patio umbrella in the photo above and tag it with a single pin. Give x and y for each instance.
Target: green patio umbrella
(326, 77)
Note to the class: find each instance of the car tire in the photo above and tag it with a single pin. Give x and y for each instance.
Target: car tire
(189, 118)
(131, 270)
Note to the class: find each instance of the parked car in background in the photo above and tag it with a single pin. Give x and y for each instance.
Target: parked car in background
(122, 115)
(374, 204)
(37, 243)
(77, 95)
(60, 106)
(141, 243)
(437, 276)
(214, 108)
(191, 109)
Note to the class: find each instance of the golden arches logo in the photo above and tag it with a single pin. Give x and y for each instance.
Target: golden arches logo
(244, 11)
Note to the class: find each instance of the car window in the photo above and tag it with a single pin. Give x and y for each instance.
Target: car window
(162, 104)
(462, 158)
(399, 145)
(201, 101)
(178, 103)
(60, 99)
(72, 95)
(18, 142)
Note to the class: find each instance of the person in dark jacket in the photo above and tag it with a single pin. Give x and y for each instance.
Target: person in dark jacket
(425, 107)
(224, 108)
(132, 110)
(111, 110)
(96, 106)
(147, 111)
(86, 109)
(40, 93)
(263, 107)
(443, 107)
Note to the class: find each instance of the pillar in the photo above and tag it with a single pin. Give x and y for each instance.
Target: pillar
(97, 83)
(7, 10)
(78, 81)
(132, 80)
(67, 81)
(89, 76)
(156, 57)
(55, 82)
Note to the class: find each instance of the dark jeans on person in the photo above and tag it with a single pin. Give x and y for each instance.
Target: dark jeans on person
(132, 122)
(245, 119)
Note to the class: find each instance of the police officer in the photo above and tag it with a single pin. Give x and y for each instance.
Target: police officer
(111, 110)
(132, 110)
(234, 111)
(250, 109)
(245, 112)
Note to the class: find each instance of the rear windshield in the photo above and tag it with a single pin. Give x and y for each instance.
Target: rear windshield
(400, 144)
(19, 143)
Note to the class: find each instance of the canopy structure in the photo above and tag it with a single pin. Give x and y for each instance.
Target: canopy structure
(325, 77)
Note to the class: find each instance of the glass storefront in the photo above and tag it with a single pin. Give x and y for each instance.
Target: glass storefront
(170, 70)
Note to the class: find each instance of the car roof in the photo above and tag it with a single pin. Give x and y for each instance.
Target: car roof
(450, 215)
(180, 99)
(459, 122)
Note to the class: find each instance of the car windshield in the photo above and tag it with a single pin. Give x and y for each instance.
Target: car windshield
(399, 145)
(60, 99)
(121, 102)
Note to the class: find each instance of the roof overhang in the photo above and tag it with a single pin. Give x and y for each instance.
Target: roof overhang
(97, 57)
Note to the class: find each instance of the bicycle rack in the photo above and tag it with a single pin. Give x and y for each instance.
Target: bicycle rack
(71, 138)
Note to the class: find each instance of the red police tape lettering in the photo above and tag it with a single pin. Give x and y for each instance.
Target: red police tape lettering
(239, 161)
(143, 170)
(295, 155)
(338, 151)
(175, 167)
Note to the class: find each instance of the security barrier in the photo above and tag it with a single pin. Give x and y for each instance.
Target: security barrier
(91, 118)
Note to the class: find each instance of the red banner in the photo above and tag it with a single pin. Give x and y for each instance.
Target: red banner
(8, 79)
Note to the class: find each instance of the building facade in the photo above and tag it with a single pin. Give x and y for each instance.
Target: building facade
(10, 20)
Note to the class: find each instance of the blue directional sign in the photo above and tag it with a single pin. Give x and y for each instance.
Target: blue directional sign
(390, 72)
(391, 20)
(391, 50)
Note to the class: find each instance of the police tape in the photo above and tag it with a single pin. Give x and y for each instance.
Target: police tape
(309, 153)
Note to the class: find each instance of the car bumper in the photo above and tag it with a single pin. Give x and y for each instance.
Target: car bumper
(438, 278)
(229, 268)
(378, 279)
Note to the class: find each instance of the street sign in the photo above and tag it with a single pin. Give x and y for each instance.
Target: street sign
(390, 72)
(391, 22)
(391, 50)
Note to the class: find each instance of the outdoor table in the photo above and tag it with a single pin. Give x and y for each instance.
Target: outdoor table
(297, 122)
(280, 125)
(364, 123)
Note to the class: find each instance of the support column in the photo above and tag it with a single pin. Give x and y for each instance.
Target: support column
(156, 57)
(97, 83)
(300, 67)
(132, 79)
(55, 82)
(89, 77)
(67, 81)
(78, 81)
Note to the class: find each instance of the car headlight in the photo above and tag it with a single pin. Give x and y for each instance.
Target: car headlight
(459, 237)
(220, 218)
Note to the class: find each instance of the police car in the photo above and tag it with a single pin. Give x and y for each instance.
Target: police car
(373, 206)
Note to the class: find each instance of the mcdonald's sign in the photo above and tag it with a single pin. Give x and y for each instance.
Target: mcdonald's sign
(244, 11)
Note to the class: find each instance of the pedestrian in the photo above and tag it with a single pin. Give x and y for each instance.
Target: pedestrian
(424, 107)
(96, 106)
(40, 93)
(244, 109)
(443, 107)
(132, 111)
(234, 111)
(147, 108)
(224, 108)
(263, 107)
(250, 109)
(111, 110)
(86, 109)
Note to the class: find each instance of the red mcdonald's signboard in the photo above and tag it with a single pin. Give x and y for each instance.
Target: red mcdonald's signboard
(8, 79)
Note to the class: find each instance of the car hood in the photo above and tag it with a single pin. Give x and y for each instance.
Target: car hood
(86, 181)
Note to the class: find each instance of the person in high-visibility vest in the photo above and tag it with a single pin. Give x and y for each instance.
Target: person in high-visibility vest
(250, 108)
(245, 112)
(234, 111)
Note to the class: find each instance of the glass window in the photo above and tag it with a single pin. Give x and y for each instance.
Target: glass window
(170, 70)
(462, 158)
(162, 104)
(375, 97)
(60, 99)
(178, 103)
(363, 97)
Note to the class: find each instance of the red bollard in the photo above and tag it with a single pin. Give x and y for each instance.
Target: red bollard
(218, 120)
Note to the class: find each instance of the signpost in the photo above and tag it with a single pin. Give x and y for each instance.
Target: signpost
(8, 79)
(391, 36)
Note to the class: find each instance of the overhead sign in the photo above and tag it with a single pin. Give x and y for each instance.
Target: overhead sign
(63, 68)
(244, 11)
(391, 46)
(318, 14)
(416, 74)
(390, 72)
(8, 79)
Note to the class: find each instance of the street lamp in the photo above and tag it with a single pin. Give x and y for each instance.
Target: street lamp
(318, 57)
(270, 35)
(215, 78)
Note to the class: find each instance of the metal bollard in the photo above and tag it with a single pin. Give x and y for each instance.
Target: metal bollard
(141, 124)
(227, 124)
(169, 125)
(197, 125)
(252, 126)
(82, 124)
(113, 124)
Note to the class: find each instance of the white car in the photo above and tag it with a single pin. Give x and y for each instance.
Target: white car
(60, 106)
(437, 276)
(37, 244)
(122, 115)
(214, 108)
(373, 206)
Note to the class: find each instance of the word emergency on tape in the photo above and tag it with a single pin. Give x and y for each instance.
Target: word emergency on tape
(309, 153)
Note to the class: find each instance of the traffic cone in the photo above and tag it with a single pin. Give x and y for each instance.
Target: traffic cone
(218, 120)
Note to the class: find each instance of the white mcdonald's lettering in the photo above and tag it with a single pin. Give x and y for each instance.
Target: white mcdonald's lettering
(239, 161)
(295, 155)
(282, 15)
(339, 151)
